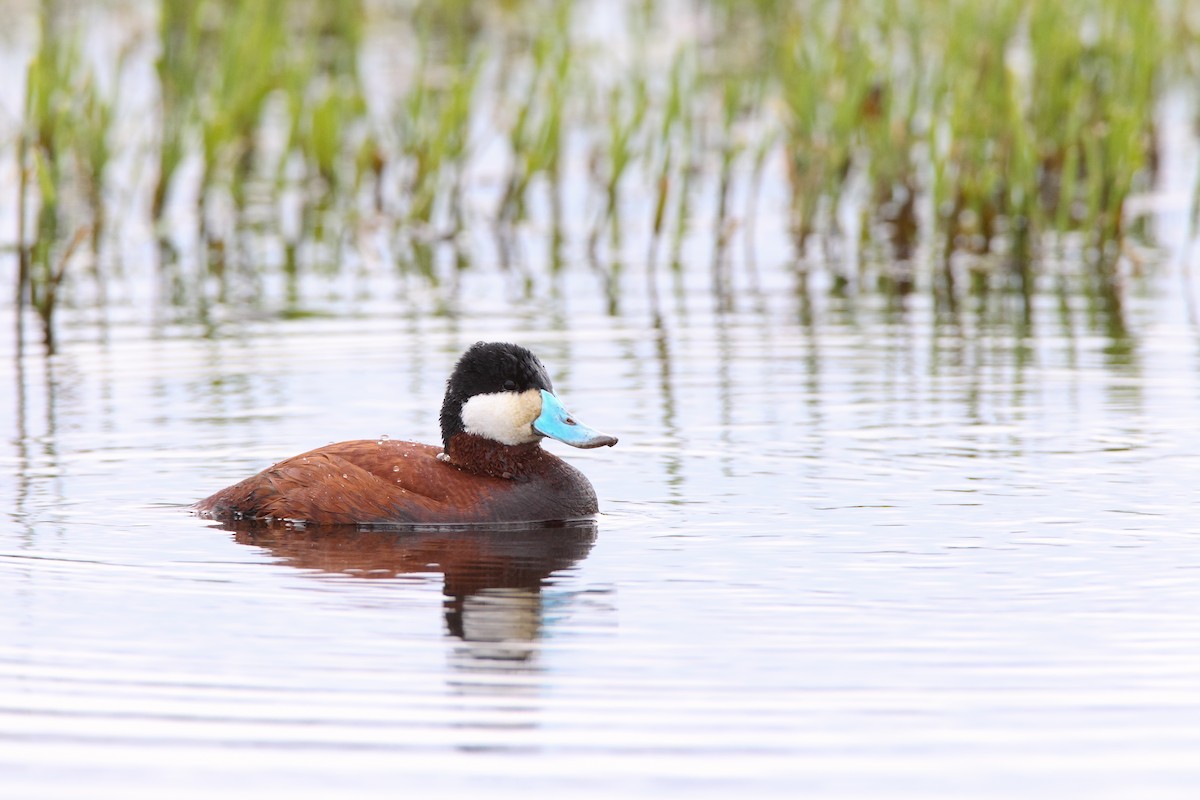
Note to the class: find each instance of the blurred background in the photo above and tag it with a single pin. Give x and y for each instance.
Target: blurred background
(892, 305)
(187, 162)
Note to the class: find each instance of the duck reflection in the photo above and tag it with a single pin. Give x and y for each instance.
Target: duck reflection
(492, 577)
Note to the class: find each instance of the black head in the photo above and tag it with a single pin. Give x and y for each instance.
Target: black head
(489, 368)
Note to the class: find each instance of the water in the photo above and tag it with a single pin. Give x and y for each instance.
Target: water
(871, 556)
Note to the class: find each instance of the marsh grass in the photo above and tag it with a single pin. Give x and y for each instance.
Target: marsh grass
(949, 147)
(63, 152)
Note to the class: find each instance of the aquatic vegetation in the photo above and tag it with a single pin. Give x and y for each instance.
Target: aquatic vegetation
(535, 137)
(63, 152)
(902, 153)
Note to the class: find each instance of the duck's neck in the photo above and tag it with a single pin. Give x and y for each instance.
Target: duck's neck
(476, 454)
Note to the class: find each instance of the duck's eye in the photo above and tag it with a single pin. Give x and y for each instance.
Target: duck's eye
(510, 386)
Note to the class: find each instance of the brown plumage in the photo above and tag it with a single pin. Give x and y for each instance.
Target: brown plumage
(386, 481)
(473, 478)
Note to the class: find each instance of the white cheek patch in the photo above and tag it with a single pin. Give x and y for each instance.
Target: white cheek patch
(504, 417)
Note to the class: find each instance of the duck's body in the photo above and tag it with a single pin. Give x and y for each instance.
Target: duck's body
(366, 482)
(491, 467)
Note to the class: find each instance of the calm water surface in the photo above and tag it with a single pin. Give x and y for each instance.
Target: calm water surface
(842, 554)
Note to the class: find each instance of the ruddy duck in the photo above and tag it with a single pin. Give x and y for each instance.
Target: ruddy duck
(499, 405)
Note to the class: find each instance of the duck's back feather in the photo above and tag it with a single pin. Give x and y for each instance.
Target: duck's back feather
(388, 481)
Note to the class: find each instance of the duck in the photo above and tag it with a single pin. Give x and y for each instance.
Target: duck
(491, 467)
